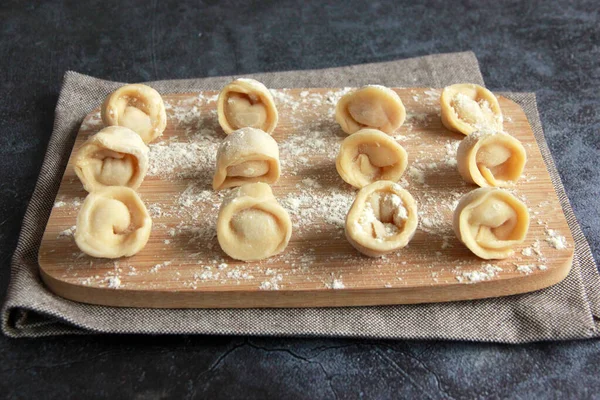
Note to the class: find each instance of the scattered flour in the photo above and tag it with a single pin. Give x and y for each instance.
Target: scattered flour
(556, 240)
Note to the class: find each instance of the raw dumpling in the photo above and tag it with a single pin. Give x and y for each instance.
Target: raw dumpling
(467, 108)
(371, 106)
(113, 222)
(246, 103)
(247, 155)
(370, 155)
(252, 225)
(137, 107)
(490, 222)
(491, 159)
(115, 156)
(382, 219)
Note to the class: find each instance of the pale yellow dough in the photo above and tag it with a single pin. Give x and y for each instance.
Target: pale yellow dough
(467, 108)
(113, 222)
(490, 222)
(246, 103)
(252, 225)
(491, 159)
(382, 219)
(370, 155)
(115, 156)
(247, 155)
(137, 107)
(372, 106)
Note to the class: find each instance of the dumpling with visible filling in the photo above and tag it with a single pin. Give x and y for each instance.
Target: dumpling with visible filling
(382, 219)
(137, 107)
(490, 222)
(467, 108)
(368, 156)
(252, 225)
(372, 106)
(113, 222)
(115, 156)
(491, 159)
(246, 103)
(247, 155)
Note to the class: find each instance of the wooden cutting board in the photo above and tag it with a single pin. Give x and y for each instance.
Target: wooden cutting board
(183, 265)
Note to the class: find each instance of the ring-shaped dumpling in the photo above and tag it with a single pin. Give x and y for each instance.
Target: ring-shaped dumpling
(490, 222)
(370, 155)
(137, 107)
(113, 222)
(246, 103)
(115, 156)
(252, 225)
(382, 219)
(247, 155)
(372, 106)
(467, 108)
(491, 159)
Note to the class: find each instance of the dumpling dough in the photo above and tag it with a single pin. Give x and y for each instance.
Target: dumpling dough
(137, 107)
(113, 222)
(370, 155)
(382, 219)
(252, 225)
(467, 108)
(490, 222)
(491, 159)
(115, 156)
(371, 106)
(247, 155)
(246, 103)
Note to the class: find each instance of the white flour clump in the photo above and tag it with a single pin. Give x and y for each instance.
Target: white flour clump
(336, 283)
(525, 269)
(488, 272)
(271, 283)
(556, 240)
(114, 282)
(69, 232)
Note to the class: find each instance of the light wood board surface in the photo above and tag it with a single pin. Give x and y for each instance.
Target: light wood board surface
(183, 265)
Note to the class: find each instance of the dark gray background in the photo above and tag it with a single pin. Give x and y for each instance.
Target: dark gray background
(549, 48)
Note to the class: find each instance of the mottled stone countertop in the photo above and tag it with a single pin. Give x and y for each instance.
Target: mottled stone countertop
(549, 48)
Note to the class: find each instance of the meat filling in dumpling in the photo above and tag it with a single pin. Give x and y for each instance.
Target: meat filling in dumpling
(467, 108)
(382, 219)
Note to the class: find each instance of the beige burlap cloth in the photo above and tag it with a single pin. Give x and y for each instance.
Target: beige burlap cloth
(565, 311)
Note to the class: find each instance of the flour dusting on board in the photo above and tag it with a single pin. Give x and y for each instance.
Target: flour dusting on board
(317, 199)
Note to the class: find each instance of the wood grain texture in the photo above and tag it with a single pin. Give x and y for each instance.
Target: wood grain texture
(183, 266)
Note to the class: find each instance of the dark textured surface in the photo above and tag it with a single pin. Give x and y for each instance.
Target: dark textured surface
(552, 49)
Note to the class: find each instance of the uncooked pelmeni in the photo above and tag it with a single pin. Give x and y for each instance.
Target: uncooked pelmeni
(113, 222)
(491, 159)
(490, 222)
(382, 219)
(137, 107)
(467, 108)
(252, 225)
(246, 103)
(370, 155)
(115, 156)
(372, 106)
(247, 155)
